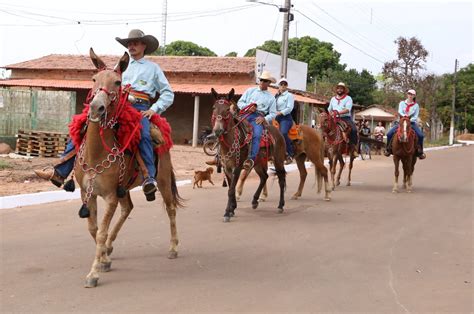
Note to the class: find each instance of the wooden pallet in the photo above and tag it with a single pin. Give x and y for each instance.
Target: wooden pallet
(41, 143)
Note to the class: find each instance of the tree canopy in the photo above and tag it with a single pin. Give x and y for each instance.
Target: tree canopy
(185, 48)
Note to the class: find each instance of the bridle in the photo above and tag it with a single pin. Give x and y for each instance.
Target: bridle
(217, 117)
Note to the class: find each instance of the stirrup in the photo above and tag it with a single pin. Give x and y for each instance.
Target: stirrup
(421, 156)
(248, 164)
(149, 186)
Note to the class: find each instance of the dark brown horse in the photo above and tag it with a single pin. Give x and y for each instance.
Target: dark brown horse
(311, 147)
(404, 149)
(234, 148)
(99, 170)
(336, 147)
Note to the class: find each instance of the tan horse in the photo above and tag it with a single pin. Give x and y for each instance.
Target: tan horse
(336, 147)
(233, 150)
(97, 170)
(404, 149)
(312, 148)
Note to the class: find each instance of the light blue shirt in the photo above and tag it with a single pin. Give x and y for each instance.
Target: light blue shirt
(285, 103)
(414, 111)
(339, 105)
(147, 77)
(265, 101)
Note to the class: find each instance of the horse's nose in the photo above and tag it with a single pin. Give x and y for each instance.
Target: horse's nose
(101, 109)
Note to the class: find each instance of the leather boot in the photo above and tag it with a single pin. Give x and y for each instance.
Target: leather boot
(51, 175)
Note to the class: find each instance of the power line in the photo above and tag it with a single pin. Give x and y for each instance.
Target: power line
(338, 37)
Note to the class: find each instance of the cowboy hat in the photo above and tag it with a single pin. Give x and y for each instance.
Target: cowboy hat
(283, 79)
(267, 76)
(341, 84)
(135, 34)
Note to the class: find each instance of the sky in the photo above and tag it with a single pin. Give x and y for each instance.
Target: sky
(362, 31)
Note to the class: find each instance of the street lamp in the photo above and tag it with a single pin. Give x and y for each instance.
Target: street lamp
(286, 27)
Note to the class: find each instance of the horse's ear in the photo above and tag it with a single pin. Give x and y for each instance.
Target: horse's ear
(99, 64)
(214, 93)
(231, 95)
(122, 64)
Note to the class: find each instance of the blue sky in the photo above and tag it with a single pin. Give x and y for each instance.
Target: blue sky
(31, 29)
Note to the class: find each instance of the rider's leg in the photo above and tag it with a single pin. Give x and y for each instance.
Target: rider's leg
(353, 134)
(146, 151)
(286, 122)
(256, 135)
(61, 171)
(390, 133)
(420, 136)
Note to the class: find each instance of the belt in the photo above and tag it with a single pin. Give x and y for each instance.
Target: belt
(140, 97)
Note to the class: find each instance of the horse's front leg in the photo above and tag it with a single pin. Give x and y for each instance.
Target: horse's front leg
(396, 162)
(240, 184)
(102, 261)
(126, 207)
(92, 219)
(300, 159)
(410, 166)
(342, 164)
(332, 169)
(351, 164)
(231, 200)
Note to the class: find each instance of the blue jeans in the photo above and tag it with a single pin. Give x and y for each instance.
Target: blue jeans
(256, 134)
(353, 135)
(145, 146)
(415, 128)
(286, 122)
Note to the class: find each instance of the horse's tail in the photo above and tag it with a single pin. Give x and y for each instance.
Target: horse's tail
(178, 201)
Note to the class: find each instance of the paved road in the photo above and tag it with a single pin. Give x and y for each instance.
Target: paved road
(367, 250)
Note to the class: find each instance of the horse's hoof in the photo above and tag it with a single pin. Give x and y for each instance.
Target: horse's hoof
(327, 199)
(408, 191)
(110, 250)
(348, 184)
(338, 183)
(237, 197)
(254, 205)
(231, 214)
(280, 210)
(226, 219)
(105, 267)
(394, 191)
(294, 197)
(172, 254)
(91, 282)
(261, 199)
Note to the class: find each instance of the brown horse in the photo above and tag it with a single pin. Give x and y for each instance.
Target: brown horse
(336, 147)
(404, 149)
(234, 147)
(98, 170)
(310, 147)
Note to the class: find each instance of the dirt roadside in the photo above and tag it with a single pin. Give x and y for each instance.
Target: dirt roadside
(17, 176)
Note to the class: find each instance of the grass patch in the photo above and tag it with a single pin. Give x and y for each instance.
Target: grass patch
(4, 165)
(443, 141)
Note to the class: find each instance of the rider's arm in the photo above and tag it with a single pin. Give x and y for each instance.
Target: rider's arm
(347, 106)
(166, 93)
(290, 103)
(272, 112)
(243, 101)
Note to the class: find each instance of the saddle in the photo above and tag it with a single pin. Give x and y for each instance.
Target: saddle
(294, 133)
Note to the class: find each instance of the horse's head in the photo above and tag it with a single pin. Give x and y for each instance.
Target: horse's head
(323, 119)
(107, 86)
(221, 114)
(404, 129)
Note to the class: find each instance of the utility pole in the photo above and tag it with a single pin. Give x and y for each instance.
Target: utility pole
(451, 128)
(163, 26)
(288, 17)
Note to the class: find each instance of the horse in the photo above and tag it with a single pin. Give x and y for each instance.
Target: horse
(102, 166)
(404, 149)
(234, 147)
(336, 146)
(311, 147)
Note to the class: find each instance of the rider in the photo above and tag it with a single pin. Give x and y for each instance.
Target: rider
(342, 103)
(408, 107)
(284, 105)
(262, 107)
(146, 79)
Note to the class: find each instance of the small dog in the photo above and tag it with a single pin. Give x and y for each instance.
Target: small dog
(200, 176)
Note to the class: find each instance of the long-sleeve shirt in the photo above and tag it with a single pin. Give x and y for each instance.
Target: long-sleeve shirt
(285, 103)
(413, 111)
(340, 104)
(265, 101)
(147, 77)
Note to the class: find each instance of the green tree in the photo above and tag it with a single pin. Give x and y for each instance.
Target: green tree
(231, 54)
(185, 48)
(465, 98)
(319, 55)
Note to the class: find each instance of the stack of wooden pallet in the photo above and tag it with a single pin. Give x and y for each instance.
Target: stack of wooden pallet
(41, 143)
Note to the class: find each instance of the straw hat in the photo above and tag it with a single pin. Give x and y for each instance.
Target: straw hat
(341, 84)
(135, 34)
(266, 75)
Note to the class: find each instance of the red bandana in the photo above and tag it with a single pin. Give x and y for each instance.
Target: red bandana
(407, 109)
(339, 99)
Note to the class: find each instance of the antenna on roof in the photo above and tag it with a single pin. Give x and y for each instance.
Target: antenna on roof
(163, 26)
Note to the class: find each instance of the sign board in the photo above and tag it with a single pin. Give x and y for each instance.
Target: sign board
(297, 71)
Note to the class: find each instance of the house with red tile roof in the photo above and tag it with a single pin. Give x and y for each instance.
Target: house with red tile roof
(58, 86)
